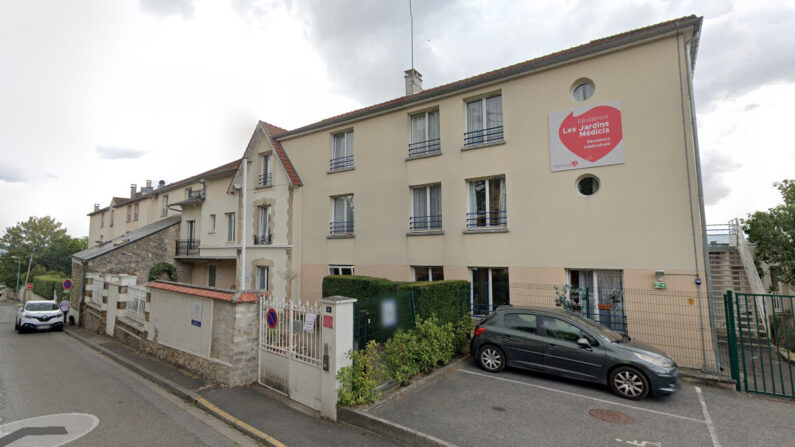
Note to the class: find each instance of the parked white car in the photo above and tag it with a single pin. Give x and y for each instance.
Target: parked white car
(39, 315)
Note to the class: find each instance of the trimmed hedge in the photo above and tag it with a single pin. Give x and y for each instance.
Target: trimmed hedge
(160, 268)
(358, 287)
(45, 284)
(446, 300)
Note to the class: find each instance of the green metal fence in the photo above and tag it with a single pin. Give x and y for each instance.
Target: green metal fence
(761, 341)
(379, 317)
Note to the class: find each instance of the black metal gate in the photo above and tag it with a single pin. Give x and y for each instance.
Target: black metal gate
(760, 329)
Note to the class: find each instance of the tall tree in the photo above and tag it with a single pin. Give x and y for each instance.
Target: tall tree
(773, 232)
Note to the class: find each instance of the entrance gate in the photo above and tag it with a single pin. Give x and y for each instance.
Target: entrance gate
(290, 356)
(761, 338)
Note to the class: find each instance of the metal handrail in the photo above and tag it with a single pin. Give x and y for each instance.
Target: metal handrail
(428, 147)
(264, 239)
(343, 227)
(197, 194)
(187, 247)
(341, 163)
(487, 219)
(265, 179)
(425, 222)
(750, 271)
(481, 136)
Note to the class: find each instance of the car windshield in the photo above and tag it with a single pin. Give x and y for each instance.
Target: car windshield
(36, 307)
(596, 327)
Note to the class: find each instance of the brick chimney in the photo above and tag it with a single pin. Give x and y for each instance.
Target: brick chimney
(96, 207)
(132, 190)
(413, 81)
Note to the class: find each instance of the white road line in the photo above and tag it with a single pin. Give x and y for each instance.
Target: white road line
(712, 432)
(587, 397)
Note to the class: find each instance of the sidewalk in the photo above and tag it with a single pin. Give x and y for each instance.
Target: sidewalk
(265, 416)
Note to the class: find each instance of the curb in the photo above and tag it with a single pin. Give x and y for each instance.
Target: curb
(184, 394)
(388, 429)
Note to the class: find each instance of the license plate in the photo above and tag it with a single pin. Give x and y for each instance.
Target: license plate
(43, 327)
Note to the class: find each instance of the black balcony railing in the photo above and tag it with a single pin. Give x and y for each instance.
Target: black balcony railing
(198, 194)
(421, 148)
(264, 239)
(487, 219)
(163, 213)
(341, 163)
(341, 227)
(187, 247)
(483, 136)
(419, 223)
(265, 179)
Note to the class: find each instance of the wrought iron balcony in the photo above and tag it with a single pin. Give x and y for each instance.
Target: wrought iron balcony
(420, 223)
(187, 247)
(265, 179)
(341, 163)
(264, 239)
(483, 136)
(341, 227)
(422, 148)
(163, 213)
(487, 219)
(196, 195)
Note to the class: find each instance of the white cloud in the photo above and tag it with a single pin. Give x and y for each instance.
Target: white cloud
(182, 8)
(10, 175)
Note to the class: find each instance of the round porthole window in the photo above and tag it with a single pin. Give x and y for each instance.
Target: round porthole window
(582, 89)
(587, 185)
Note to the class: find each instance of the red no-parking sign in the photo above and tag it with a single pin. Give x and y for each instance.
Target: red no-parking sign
(271, 318)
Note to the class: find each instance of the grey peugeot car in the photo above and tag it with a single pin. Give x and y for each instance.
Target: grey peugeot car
(564, 343)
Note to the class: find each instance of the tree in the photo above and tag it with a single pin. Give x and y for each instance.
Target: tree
(46, 239)
(773, 232)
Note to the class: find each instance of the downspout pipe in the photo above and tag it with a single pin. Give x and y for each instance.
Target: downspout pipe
(243, 235)
(697, 154)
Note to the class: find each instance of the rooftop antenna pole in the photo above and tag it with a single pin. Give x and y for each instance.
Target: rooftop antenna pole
(411, 16)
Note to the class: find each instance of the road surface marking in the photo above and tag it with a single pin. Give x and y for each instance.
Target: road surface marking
(238, 422)
(712, 432)
(583, 396)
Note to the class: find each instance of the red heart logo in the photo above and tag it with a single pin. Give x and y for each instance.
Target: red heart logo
(593, 134)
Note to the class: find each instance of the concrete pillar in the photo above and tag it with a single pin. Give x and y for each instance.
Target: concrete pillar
(336, 319)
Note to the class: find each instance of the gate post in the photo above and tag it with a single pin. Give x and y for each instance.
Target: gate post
(337, 337)
(731, 336)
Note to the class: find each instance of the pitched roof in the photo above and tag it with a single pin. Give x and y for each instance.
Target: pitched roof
(272, 132)
(590, 48)
(229, 296)
(126, 239)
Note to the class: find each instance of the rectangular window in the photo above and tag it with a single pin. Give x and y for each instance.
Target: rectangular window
(342, 215)
(164, 211)
(605, 295)
(262, 278)
(212, 271)
(112, 213)
(426, 208)
(191, 230)
(484, 121)
(425, 134)
(263, 234)
(266, 170)
(340, 270)
(129, 213)
(342, 151)
(102, 220)
(135, 212)
(429, 273)
(187, 192)
(487, 203)
(212, 223)
(230, 227)
(490, 289)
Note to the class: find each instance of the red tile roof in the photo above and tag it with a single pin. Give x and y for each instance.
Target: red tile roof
(221, 295)
(589, 48)
(272, 132)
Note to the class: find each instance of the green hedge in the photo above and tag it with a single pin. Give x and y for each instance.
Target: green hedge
(45, 284)
(358, 287)
(446, 300)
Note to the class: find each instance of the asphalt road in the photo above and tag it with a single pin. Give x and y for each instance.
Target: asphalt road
(50, 373)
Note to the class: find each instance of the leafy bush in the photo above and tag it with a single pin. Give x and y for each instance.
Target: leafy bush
(462, 332)
(785, 332)
(160, 268)
(360, 380)
(447, 300)
(45, 284)
(358, 287)
(435, 344)
(401, 356)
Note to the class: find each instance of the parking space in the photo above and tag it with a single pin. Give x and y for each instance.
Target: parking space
(469, 407)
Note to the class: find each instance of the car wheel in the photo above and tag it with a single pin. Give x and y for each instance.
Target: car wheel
(491, 358)
(629, 383)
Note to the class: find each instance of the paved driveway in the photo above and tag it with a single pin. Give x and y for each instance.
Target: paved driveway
(470, 407)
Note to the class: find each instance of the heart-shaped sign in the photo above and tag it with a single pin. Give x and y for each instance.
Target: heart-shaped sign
(592, 134)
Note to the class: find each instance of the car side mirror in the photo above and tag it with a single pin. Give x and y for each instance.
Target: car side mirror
(583, 343)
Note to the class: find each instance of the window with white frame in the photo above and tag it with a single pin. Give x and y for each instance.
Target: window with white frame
(230, 227)
(212, 223)
(164, 211)
(136, 208)
(129, 213)
(484, 120)
(263, 234)
(112, 215)
(487, 203)
(435, 273)
(490, 288)
(340, 270)
(262, 278)
(266, 170)
(102, 220)
(342, 151)
(426, 208)
(212, 274)
(425, 134)
(342, 214)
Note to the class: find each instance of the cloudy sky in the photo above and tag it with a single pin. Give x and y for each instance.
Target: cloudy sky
(96, 95)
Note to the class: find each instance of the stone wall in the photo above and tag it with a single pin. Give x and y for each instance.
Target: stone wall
(244, 347)
(138, 257)
(93, 319)
(204, 368)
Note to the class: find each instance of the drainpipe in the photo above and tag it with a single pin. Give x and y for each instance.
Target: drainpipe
(243, 228)
(704, 242)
